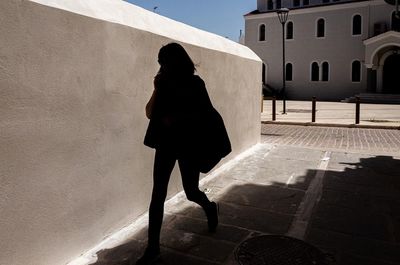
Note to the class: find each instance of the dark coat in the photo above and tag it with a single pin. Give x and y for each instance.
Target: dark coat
(184, 121)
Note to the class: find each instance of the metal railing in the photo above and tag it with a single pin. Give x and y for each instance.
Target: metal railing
(314, 109)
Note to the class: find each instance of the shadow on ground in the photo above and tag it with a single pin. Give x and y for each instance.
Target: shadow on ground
(357, 218)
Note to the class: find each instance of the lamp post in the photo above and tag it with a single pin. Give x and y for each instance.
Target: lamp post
(283, 16)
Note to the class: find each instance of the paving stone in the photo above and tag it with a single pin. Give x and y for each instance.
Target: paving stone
(226, 233)
(361, 246)
(121, 255)
(169, 257)
(351, 259)
(247, 217)
(351, 221)
(335, 181)
(295, 153)
(254, 219)
(196, 245)
(359, 140)
(296, 174)
(271, 198)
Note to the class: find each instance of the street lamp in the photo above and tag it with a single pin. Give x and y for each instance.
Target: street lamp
(283, 16)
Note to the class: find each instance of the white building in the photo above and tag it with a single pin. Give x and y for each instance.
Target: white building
(334, 48)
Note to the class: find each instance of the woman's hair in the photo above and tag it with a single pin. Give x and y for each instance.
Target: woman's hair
(173, 59)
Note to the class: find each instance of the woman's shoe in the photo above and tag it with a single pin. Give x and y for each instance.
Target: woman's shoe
(212, 217)
(150, 256)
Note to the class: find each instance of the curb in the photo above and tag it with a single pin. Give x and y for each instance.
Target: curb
(363, 126)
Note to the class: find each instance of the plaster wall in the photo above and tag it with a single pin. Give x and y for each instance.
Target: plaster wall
(74, 80)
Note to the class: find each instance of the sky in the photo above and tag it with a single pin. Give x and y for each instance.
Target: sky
(222, 17)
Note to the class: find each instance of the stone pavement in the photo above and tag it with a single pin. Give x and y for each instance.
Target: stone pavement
(338, 189)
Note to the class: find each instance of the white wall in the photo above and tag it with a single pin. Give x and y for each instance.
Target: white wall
(339, 47)
(74, 79)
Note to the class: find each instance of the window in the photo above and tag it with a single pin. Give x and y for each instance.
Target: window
(357, 25)
(261, 32)
(278, 4)
(325, 71)
(321, 28)
(356, 71)
(395, 22)
(296, 3)
(306, 2)
(325, 1)
(314, 72)
(270, 5)
(289, 72)
(289, 30)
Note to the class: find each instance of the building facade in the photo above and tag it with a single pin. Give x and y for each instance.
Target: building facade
(333, 48)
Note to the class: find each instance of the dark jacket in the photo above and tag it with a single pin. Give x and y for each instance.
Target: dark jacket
(184, 121)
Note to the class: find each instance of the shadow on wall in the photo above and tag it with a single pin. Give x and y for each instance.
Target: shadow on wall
(357, 219)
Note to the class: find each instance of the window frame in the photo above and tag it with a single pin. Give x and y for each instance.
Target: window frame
(317, 28)
(322, 71)
(286, 71)
(352, 25)
(312, 73)
(276, 4)
(270, 5)
(352, 73)
(287, 31)
(259, 32)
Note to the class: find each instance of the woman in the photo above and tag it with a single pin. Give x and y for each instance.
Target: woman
(178, 103)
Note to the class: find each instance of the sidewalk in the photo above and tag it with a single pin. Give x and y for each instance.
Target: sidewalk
(346, 204)
(334, 113)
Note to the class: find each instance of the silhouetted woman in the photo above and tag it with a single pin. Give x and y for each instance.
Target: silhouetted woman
(178, 103)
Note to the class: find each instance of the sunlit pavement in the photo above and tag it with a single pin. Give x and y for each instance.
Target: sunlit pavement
(333, 113)
(298, 182)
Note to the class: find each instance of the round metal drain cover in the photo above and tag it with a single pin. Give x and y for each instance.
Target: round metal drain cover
(278, 250)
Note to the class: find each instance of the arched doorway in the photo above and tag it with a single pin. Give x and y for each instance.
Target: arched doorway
(391, 74)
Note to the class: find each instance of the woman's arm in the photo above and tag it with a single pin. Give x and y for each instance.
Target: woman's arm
(150, 105)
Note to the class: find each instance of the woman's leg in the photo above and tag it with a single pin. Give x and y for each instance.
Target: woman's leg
(190, 180)
(163, 165)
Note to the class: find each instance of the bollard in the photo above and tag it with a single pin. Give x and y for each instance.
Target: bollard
(273, 108)
(357, 110)
(262, 103)
(313, 109)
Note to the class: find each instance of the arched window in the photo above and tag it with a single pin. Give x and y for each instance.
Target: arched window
(278, 4)
(321, 28)
(261, 32)
(296, 3)
(306, 2)
(356, 71)
(395, 22)
(270, 5)
(357, 25)
(314, 71)
(289, 30)
(325, 71)
(289, 72)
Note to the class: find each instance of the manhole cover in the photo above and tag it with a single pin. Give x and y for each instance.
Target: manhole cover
(278, 250)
